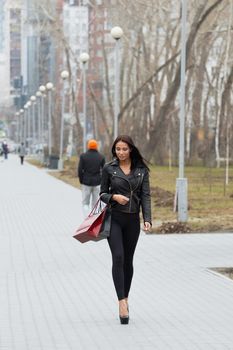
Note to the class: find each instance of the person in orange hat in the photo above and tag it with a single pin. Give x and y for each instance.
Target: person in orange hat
(92, 144)
(90, 168)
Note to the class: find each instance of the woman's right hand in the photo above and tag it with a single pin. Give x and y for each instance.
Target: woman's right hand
(119, 198)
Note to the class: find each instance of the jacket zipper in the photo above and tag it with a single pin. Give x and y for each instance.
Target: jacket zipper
(131, 190)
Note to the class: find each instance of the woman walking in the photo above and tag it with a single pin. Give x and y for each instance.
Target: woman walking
(125, 186)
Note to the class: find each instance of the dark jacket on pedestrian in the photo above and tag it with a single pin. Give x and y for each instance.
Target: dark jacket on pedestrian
(134, 186)
(90, 167)
(5, 148)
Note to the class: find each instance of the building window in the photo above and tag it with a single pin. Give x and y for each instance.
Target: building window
(15, 13)
(99, 53)
(99, 40)
(99, 27)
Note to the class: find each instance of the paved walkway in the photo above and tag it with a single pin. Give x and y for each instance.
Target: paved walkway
(57, 294)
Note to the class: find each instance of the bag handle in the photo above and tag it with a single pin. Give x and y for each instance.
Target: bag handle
(97, 208)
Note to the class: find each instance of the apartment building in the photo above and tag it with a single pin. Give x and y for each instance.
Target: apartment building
(11, 52)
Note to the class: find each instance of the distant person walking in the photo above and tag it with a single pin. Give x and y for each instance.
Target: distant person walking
(5, 149)
(90, 168)
(22, 152)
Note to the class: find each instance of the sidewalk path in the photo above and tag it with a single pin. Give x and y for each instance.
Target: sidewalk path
(57, 294)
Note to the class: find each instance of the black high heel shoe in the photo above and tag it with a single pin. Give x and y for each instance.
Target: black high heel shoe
(124, 319)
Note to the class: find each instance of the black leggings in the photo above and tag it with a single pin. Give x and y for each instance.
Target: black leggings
(123, 239)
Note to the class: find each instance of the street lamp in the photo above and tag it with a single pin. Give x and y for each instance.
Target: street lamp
(21, 111)
(116, 33)
(64, 76)
(38, 95)
(42, 89)
(17, 115)
(181, 182)
(25, 124)
(29, 104)
(84, 58)
(33, 101)
(49, 87)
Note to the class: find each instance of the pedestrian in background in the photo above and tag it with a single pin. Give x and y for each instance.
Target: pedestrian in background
(5, 149)
(125, 186)
(22, 152)
(90, 168)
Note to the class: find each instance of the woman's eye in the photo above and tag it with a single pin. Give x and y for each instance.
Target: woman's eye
(121, 149)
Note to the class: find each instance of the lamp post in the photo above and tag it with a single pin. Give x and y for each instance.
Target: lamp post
(33, 101)
(25, 124)
(116, 33)
(29, 104)
(42, 89)
(181, 182)
(64, 76)
(49, 87)
(17, 117)
(21, 125)
(38, 96)
(84, 58)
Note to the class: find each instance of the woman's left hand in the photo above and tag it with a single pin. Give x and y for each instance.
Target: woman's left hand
(147, 226)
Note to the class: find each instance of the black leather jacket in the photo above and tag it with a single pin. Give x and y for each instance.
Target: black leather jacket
(134, 186)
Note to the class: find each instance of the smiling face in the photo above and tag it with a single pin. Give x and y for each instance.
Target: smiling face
(122, 151)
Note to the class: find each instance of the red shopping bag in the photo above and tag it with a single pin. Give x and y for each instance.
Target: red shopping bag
(96, 226)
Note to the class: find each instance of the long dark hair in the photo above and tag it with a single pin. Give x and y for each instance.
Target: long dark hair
(135, 156)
